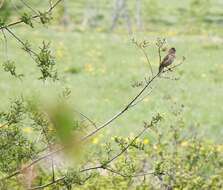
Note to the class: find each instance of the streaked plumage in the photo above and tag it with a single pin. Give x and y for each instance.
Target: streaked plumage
(168, 59)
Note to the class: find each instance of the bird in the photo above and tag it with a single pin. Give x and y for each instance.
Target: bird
(168, 59)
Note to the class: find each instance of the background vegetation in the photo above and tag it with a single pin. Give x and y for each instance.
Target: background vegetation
(98, 66)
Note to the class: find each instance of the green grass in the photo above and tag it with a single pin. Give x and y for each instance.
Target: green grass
(106, 65)
(100, 68)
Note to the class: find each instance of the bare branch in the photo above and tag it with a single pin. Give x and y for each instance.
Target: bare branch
(142, 47)
(147, 58)
(122, 111)
(159, 53)
(141, 99)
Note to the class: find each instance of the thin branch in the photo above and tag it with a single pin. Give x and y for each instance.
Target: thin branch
(124, 149)
(5, 124)
(122, 111)
(147, 58)
(28, 6)
(101, 166)
(159, 53)
(50, 3)
(141, 99)
(99, 128)
(163, 77)
(104, 166)
(141, 46)
(173, 67)
(6, 43)
(31, 164)
(90, 134)
(48, 184)
(123, 175)
(86, 117)
(20, 41)
(33, 17)
(53, 6)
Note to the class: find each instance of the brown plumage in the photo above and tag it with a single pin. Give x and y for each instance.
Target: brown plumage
(168, 59)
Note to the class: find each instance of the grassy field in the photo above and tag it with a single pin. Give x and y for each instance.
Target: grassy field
(100, 68)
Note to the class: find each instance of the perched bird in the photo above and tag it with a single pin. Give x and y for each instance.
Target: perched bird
(168, 59)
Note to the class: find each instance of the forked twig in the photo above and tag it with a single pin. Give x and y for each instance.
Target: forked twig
(33, 17)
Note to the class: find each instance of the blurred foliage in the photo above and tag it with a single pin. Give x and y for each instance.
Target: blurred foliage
(166, 159)
(171, 156)
(5, 11)
(15, 149)
(199, 9)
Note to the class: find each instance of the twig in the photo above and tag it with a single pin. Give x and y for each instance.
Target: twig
(33, 17)
(159, 53)
(20, 41)
(6, 43)
(28, 6)
(141, 46)
(121, 112)
(48, 184)
(147, 58)
(123, 175)
(101, 166)
(162, 77)
(86, 117)
(123, 150)
(141, 99)
(5, 124)
(90, 134)
(177, 65)
(31, 164)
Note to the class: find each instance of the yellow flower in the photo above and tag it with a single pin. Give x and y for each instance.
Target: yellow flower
(51, 128)
(171, 33)
(27, 129)
(3, 126)
(155, 147)
(59, 53)
(146, 100)
(220, 148)
(184, 143)
(99, 29)
(89, 68)
(146, 141)
(95, 140)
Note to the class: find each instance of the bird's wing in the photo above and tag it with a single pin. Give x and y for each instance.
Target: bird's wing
(164, 59)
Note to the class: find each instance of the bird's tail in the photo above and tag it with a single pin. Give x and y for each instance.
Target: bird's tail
(160, 69)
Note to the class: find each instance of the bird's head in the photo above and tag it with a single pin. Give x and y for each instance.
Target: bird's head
(172, 50)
